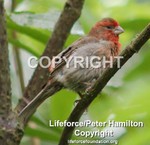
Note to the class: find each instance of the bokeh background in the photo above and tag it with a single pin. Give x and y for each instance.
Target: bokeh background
(127, 95)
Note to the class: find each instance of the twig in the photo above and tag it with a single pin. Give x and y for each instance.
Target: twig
(69, 15)
(16, 52)
(127, 53)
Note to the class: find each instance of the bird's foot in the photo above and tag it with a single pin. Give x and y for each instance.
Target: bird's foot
(76, 102)
(89, 90)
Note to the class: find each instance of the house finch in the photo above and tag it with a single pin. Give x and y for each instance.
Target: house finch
(101, 41)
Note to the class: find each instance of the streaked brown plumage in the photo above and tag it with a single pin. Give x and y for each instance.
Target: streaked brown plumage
(101, 41)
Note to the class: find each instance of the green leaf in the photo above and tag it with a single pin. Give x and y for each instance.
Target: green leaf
(31, 32)
(43, 21)
(42, 133)
(21, 45)
(59, 106)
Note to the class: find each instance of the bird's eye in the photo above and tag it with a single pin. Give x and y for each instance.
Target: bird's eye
(109, 27)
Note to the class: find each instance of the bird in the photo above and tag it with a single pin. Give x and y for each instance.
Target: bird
(101, 41)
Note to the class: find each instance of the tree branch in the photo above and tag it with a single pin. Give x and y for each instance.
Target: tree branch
(69, 15)
(10, 131)
(127, 53)
(5, 86)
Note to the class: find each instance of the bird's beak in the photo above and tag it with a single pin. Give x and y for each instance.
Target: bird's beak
(118, 30)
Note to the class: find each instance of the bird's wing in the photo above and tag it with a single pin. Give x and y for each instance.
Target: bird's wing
(67, 52)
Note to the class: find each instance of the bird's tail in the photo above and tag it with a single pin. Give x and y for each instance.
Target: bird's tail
(48, 90)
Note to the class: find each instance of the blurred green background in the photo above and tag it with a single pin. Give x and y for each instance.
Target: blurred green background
(126, 97)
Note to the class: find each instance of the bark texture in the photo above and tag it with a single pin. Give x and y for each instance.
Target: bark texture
(10, 130)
